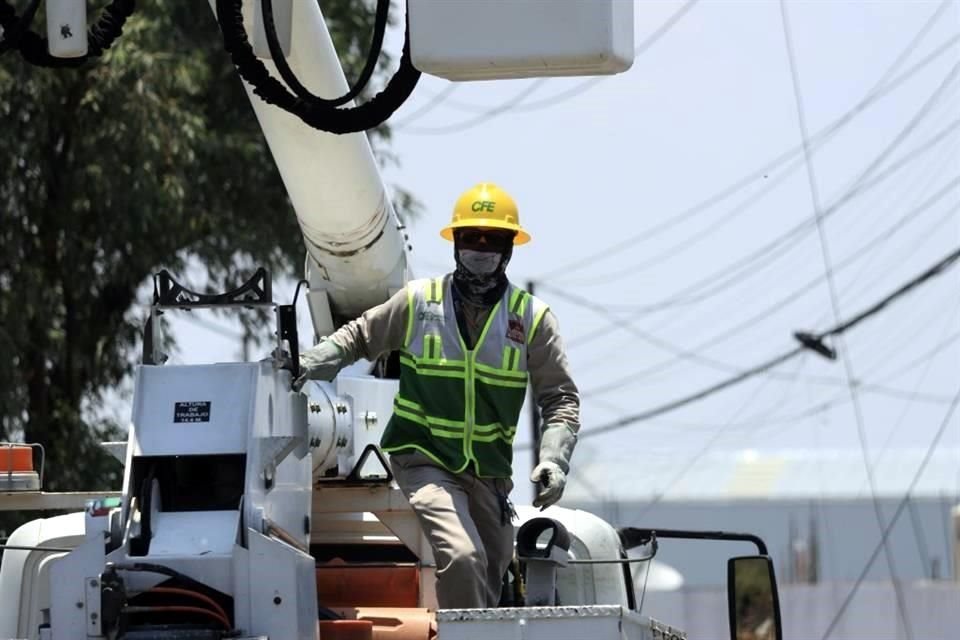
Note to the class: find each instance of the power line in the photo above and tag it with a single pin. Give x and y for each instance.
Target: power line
(769, 310)
(771, 419)
(627, 421)
(514, 104)
(885, 534)
(835, 306)
(776, 307)
(685, 469)
(732, 273)
(739, 209)
(881, 89)
(480, 118)
(913, 397)
(432, 104)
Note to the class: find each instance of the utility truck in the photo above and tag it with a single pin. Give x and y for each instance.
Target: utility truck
(249, 510)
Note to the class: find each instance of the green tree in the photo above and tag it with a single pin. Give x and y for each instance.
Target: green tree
(142, 160)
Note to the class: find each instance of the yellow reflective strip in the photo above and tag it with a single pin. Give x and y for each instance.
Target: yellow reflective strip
(513, 299)
(445, 363)
(496, 426)
(404, 404)
(409, 404)
(519, 376)
(490, 437)
(500, 382)
(406, 340)
(536, 323)
(434, 372)
(439, 289)
(409, 415)
(435, 347)
(452, 430)
(522, 303)
(511, 356)
(486, 327)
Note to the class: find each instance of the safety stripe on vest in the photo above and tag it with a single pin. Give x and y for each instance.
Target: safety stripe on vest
(511, 358)
(437, 426)
(501, 382)
(435, 291)
(500, 374)
(410, 303)
(536, 323)
(441, 369)
(432, 347)
(450, 428)
(518, 301)
(490, 437)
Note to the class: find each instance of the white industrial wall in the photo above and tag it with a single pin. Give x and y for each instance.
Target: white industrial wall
(933, 609)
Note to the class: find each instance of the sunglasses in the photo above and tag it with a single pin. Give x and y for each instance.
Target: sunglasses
(492, 237)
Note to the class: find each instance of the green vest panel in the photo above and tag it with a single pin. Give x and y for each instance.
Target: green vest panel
(458, 406)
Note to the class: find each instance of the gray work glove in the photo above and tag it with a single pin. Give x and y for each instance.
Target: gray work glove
(556, 447)
(321, 362)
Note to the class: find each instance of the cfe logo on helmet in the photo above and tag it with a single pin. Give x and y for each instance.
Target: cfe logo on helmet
(483, 205)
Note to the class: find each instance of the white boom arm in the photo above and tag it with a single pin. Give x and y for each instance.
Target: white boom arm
(355, 249)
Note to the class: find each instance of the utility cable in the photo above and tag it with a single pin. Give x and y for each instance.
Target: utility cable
(911, 398)
(626, 421)
(34, 48)
(835, 306)
(423, 110)
(618, 322)
(733, 272)
(883, 87)
(770, 310)
(381, 19)
(515, 104)
(744, 206)
(702, 451)
(480, 118)
(316, 114)
(694, 355)
(885, 534)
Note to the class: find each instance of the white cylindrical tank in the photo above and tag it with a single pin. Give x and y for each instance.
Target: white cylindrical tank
(591, 538)
(329, 427)
(67, 28)
(356, 249)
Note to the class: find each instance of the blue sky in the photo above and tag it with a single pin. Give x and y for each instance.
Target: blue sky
(708, 104)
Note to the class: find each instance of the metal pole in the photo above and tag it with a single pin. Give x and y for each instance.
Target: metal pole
(534, 410)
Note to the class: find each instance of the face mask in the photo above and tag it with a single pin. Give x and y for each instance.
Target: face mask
(479, 263)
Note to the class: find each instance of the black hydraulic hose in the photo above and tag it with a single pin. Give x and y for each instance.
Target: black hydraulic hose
(100, 37)
(14, 27)
(289, 77)
(320, 116)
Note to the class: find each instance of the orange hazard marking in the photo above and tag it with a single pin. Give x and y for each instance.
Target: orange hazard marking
(16, 459)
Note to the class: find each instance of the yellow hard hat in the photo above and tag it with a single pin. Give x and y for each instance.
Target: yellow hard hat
(486, 205)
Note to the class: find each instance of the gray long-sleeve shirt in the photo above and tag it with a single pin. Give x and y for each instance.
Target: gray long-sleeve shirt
(384, 327)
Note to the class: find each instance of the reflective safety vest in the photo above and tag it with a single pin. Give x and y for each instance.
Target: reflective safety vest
(456, 405)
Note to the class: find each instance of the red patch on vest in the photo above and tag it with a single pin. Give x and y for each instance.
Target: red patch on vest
(515, 330)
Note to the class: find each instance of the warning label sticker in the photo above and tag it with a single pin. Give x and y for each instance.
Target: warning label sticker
(196, 411)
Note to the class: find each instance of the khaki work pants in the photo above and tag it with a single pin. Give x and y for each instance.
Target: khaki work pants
(467, 522)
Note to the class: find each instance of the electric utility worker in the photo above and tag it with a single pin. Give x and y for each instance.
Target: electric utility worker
(469, 342)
